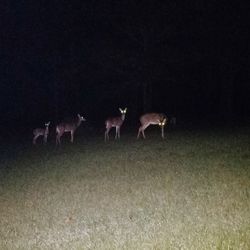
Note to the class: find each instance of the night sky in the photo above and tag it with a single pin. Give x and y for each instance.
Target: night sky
(59, 58)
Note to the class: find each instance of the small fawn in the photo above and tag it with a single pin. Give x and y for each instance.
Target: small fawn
(115, 122)
(41, 132)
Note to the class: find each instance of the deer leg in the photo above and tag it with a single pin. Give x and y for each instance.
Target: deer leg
(58, 139)
(107, 133)
(58, 135)
(34, 139)
(139, 132)
(117, 133)
(162, 132)
(72, 136)
(142, 128)
(143, 134)
(45, 139)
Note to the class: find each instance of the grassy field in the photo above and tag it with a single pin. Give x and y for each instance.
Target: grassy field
(189, 191)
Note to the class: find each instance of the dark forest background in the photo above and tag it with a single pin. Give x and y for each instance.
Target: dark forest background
(188, 59)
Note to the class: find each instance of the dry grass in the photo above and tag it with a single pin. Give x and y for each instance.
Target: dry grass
(190, 191)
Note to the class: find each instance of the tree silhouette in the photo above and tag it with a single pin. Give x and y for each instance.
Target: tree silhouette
(140, 48)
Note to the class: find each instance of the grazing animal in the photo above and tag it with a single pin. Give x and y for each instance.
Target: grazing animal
(152, 119)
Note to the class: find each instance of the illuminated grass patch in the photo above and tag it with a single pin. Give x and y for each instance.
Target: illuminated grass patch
(189, 191)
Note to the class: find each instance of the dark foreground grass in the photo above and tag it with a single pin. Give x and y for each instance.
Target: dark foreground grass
(189, 191)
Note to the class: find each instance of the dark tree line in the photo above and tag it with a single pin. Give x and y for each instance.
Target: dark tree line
(183, 58)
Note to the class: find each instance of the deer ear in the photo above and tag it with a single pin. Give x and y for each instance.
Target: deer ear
(120, 109)
(165, 119)
(125, 109)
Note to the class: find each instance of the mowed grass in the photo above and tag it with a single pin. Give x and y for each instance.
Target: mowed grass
(189, 191)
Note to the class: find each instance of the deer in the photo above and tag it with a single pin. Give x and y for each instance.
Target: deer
(68, 127)
(41, 132)
(152, 119)
(115, 122)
